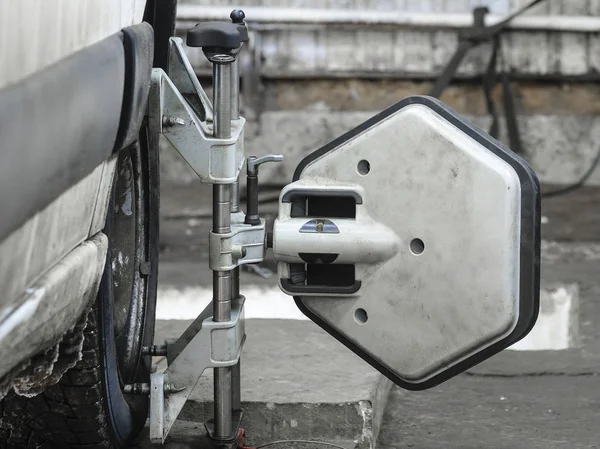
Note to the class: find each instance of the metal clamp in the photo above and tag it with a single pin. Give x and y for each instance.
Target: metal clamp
(187, 124)
(183, 76)
(205, 344)
(253, 163)
(244, 244)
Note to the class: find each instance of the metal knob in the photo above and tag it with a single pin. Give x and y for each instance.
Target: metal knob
(237, 17)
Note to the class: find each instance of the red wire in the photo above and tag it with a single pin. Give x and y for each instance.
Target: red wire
(241, 439)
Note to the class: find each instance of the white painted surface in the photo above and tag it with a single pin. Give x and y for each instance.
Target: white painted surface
(37, 33)
(261, 302)
(556, 327)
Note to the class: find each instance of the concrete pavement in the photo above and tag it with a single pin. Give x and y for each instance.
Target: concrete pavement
(529, 399)
(517, 399)
(297, 383)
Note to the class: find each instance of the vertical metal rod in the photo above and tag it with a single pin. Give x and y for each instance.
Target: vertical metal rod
(235, 196)
(235, 114)
(221, 208)
(221, 100)
(223, 407)
(235, 187)
(222, 284)
(235, 89)
(235, 283)
(236, 399)
(236, 391)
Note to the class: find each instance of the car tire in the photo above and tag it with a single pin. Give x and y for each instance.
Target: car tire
(87, 407)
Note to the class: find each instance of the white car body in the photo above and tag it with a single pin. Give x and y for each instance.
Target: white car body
(50, 266)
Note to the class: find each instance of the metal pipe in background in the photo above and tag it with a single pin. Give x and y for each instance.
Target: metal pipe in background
(283, 18)
(222, 284)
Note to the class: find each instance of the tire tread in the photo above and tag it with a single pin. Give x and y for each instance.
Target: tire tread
(70, 414)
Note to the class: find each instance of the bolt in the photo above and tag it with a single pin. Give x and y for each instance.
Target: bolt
(238, 252)
(137, 388)
(144, 268)
(171, 388)
(155, 350)
(169, 121)
(144, 388)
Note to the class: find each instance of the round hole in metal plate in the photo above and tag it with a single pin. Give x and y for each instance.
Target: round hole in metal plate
(417, 246)
(361, 316)
(363, 167)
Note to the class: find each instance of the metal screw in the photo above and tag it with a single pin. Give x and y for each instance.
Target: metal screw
(169, 121)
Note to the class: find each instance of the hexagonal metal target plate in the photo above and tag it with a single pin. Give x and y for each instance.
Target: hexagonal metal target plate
(465, 283)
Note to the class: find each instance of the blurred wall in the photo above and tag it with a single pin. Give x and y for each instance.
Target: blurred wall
(306, 83)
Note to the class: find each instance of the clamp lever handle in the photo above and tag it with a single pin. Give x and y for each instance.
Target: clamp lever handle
(252, 164)
(255, 162)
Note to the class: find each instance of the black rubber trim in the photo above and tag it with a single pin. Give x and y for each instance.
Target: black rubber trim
(56, 127)
(529, 252)
(291, 194)
(325, 289)
(161, 14)
(138, 43)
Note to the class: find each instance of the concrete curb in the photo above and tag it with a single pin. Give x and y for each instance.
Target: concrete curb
(297, 383)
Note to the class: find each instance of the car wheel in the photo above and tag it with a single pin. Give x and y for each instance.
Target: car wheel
(88, 408)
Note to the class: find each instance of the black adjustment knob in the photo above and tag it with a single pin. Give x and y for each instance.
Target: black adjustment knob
(217, 35)
(237, 16)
